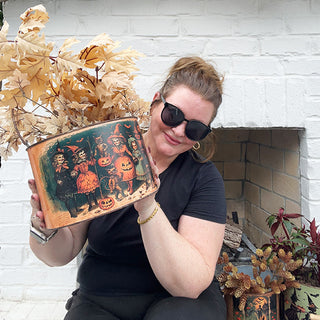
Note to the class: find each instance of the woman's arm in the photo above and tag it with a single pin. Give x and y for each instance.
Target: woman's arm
(61, 248)
(183, 261)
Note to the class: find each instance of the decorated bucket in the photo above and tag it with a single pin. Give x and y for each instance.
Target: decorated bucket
(302, 303)
(258, 306)
(91, 171)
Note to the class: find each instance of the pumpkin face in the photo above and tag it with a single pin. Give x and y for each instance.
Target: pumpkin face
(104, 161)
(126, 165)
(125, 168)
(106, 203)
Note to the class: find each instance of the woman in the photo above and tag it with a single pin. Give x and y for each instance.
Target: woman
(163, 266)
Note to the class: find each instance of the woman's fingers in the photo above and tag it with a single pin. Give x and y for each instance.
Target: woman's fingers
(32, 185)
(35, 202)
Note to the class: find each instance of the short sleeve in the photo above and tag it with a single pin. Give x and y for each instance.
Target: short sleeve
(207, 199)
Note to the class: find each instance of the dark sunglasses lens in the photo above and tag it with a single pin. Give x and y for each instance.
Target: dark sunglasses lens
(196, 130)
(171, 115)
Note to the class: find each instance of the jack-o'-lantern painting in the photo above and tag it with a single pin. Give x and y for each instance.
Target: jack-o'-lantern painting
(258, 307)
(92, 171)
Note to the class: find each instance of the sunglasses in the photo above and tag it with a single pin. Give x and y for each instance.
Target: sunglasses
(172, 116)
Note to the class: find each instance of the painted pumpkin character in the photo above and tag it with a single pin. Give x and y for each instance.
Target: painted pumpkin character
(66, 188)
(87, 181)
(139, 162)
(122, 158)
(106, 203)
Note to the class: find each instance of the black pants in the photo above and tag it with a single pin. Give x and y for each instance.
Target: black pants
(209, 306)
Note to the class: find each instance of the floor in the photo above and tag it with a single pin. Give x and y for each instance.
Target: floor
(33, 310)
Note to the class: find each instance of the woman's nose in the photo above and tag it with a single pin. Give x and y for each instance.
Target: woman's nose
(179, 130)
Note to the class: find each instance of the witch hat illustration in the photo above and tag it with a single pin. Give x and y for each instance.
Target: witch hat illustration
(116, 134)
(311, 306)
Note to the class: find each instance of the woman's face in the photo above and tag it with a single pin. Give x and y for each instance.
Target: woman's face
(171, 141)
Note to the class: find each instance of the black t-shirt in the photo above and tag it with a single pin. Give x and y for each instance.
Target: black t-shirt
(115, 262)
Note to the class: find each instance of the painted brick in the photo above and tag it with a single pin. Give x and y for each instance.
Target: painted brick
(300, 25)
(314, 45)
(285, 46)
(8, 167)
(11, 255)
(187, 7)
(206, 26)
(49, 293)
(169, 47)
(14, 234)
(262, 66)
(311, 108)
(114, 26)
(245, 7)
(253, 91)
(313, 128)
(275, 103)
(295, 102)
(156, 26)
(312, 85)
(233, 103)
(133, 8)
(15, 293)
(306, 66)
(11, 213)
(253, 26)
(228, 46)
(284, 8)
(311, 189)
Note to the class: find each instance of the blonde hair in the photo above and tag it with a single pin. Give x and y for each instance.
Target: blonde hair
(199, 76)
(202, 78)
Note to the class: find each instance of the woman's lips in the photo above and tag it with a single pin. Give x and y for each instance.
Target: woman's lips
(171, 140)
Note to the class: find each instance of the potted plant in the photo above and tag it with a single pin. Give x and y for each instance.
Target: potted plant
(304, 243)
(60, 106)
(252, 291)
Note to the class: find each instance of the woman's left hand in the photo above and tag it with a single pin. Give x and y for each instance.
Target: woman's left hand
(148, 202)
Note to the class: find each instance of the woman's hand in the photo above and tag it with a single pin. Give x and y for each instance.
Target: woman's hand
(37, 216)
(148, 202)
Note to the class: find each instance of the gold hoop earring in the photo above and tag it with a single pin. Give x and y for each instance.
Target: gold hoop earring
(196, 146)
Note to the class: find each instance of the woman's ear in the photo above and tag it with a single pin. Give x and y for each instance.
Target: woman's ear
(156, 96)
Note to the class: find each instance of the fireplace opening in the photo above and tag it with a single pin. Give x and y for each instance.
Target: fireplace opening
(261, 172)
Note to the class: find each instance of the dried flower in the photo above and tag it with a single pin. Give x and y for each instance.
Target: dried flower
(279, 275)
(46, 94)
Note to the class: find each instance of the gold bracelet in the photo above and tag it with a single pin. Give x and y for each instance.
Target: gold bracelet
(151, 216)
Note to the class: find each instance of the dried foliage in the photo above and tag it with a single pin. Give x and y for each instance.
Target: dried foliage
(303, 242)
(46, 94)
(278, 265)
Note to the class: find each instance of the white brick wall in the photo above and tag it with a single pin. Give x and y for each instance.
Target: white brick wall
(269, 51)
